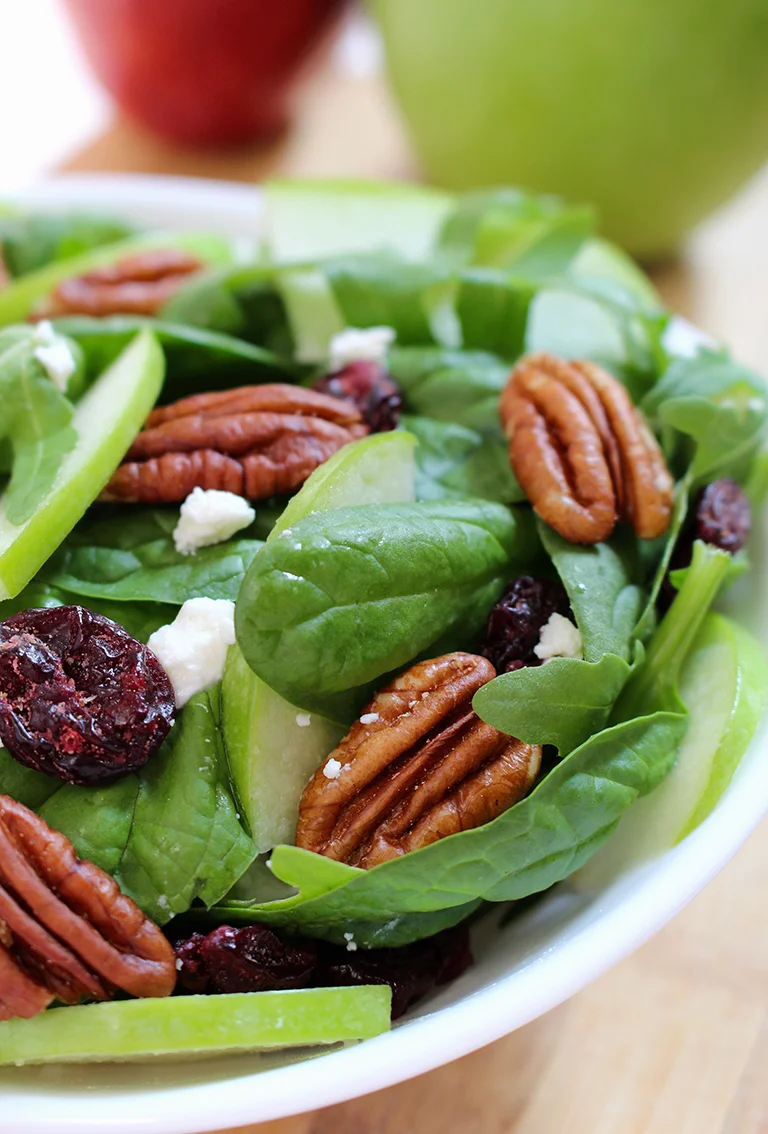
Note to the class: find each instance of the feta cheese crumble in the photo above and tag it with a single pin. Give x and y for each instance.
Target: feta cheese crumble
(209, 516)
(351, 943)
(369, 718)
(54, 355)
(332, 769)
(193, 648)
(303, 720)
(360, 345)
(559, 638)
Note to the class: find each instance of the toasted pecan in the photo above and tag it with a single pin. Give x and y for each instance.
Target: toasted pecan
(255, 441)
(69, 927)
(138, 284)
(417, 766)
(582, 451)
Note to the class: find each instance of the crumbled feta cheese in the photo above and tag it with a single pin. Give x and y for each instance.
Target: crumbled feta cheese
(209, 516)
(559, 638)
(179, 964)
(193, 648)
(303, 720)
(54, 355)
(351, 943)
(332, 769)
(360, 345)
(369, 718)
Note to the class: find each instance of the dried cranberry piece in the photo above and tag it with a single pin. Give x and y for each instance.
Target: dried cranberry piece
(723, 515)
(514, 625)
(251, 959)
(369, 386)
(410, 970)
(80, 698)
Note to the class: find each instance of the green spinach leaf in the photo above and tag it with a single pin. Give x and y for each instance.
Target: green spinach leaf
(32, 240)
(133, 559)
(346, 596)
(450, 385)
(533, 845)
(452, 461)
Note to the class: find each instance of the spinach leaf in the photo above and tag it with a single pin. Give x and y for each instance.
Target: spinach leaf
(533, 845)
(24, 784)
(452, 461)
(169, 834)
(346, 596)
(492, 309)
(197, 360)
(561, 703)
(133, 559)
(32, 240)
(605, 602)
(140, 619)
(720, 404)
(450, 385)
(647, 620)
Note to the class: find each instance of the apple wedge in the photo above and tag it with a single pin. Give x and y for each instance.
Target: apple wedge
(106, 420)
(135, 1030)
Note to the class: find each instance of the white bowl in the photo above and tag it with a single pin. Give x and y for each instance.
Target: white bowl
(522, 969)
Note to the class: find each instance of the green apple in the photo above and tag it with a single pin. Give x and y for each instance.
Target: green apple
(18, 299)
(136, 1030)
(273, 747)
(655, 111)
(723, 684)
(106, 420)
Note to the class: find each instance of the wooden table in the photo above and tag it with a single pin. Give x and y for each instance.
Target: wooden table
(675, 1039)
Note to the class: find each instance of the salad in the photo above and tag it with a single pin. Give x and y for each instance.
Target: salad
(351, 584)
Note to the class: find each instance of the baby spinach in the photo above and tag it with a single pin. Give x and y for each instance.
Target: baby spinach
(140, 619)
(169, 834)
(197, 360)
(132, 558)
(31, 240)
(530, 847)
(720, 404)
(458, 386)
(343, 597)
(453, 461)
(492, 309)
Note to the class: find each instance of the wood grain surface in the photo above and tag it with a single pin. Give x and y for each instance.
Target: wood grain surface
(675, 1039)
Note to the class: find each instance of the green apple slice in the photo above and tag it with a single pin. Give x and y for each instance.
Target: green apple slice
(273, 747)
(136, 1030)
(17, 300)
(106, 420)
(724, 684)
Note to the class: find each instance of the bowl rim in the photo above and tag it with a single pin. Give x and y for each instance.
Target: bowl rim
(659, 890)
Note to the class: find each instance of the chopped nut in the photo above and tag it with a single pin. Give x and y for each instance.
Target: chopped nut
(135, 285)
(253, 441)
(582, 451)
(72, 932)
(423, 769)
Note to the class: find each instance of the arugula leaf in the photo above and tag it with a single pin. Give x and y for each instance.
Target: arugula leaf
(533, 845)
(561, 703)
(452, 461)
(344, 597)
(169, 834)
(133, 559)
(720, 404)
(605, 602)
(450, 385)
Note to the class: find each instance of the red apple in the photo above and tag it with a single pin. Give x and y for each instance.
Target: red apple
(204, 72)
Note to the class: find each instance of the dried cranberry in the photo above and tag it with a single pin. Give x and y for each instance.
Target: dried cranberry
(514, 625)
(723, 515)
(410, 970)
(251, 959)
(369, 386)
(80, 698)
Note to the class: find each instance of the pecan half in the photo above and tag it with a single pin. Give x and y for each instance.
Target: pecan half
(69, 931)
(255, 441)
(135, 285)
(582, 451)
(418, 765)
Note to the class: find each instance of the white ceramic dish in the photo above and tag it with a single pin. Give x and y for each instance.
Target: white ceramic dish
(522, 970)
